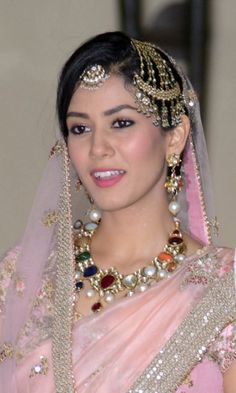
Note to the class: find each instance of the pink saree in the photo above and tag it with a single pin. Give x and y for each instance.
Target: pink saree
(111, 350)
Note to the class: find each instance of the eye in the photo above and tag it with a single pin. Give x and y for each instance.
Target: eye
(122, 123)
(79, 129)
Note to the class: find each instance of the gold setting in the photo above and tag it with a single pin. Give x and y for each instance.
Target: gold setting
(105, 284)
(93, 77)
(161, 99)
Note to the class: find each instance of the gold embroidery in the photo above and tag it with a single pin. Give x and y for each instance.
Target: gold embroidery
(188, 381)
(223, 350)
(57, 149)
(8, 274)
(50, 218)
(6, 352)
(41, 368)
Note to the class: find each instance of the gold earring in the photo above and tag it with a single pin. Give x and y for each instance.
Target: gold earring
(174, 181)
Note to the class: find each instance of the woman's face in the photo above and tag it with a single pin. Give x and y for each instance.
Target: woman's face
(118, 153)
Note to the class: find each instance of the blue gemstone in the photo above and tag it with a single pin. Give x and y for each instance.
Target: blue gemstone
(79, 285)
(90, 271)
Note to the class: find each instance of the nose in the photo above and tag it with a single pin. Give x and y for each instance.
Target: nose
(101, 145)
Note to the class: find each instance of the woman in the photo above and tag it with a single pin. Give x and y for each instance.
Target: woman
(138, 299)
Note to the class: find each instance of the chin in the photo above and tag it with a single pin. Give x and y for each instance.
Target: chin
(111, 205)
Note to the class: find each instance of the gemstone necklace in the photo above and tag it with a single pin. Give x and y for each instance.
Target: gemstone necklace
(105, 284)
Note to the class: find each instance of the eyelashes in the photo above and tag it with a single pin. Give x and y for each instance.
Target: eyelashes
(79, 129)
(120, 123)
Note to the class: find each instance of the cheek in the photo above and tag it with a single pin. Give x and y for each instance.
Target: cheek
(146, 147)
(76, 154)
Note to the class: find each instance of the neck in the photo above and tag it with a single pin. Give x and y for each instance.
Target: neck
(136, 233)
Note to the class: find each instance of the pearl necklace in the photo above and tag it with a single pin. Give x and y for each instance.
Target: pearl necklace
(106, 284)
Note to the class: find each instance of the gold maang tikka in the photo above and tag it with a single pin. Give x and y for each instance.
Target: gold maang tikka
(160, 98)
(93, 77)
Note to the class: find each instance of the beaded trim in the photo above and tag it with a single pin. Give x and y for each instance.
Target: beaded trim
(64, 292)
(203, 205)
(188, 345)
(6, 352)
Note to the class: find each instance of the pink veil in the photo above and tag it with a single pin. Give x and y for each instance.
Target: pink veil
(50, 228)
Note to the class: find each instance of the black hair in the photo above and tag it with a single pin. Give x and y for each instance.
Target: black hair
(114, 51)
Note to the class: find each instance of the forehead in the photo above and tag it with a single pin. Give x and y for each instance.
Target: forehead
(114, 91)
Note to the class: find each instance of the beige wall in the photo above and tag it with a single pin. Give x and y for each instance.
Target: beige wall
(221, 115)
(35, 39)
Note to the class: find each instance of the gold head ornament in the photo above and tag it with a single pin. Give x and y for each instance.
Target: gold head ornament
(158, 93)
(93, 77)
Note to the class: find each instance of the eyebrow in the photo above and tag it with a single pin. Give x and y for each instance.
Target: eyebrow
(108, 112)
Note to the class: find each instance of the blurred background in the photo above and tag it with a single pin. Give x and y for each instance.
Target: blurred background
(37, 37)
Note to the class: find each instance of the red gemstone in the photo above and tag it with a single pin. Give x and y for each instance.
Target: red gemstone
(96, 307)
(171, 267)
(107, 281)
(175, 240)
(165, 257)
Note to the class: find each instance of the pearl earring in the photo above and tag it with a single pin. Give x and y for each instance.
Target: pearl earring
(174, 182)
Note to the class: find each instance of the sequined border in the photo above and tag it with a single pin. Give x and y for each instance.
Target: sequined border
(64, 291)
(189, 343)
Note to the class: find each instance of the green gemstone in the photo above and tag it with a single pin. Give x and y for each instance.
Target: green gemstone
(84, 256)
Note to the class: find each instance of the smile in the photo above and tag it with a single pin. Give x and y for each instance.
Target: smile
(107, 178)
(108, 174)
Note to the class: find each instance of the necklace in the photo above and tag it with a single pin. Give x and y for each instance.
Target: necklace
(103, 285)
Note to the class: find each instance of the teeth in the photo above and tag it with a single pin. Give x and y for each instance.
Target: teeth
(106, 174)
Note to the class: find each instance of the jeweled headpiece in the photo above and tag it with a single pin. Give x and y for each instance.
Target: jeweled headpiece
(93, 77)
(158, 93)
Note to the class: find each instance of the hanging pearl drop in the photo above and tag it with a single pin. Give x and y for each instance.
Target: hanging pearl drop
(130, 293)
(109, 297)
(90, 293)
(174, 207)
(95, 215)
(142, 288)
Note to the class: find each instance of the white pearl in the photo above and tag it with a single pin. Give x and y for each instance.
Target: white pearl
(149, 271)
(77, 224)
(180, 258)
(142, 288)
(174, 207)
(95, 215)
(90, 293)
(130, 293)
(109, 297)
(129, 281)
(162, 274)
(90, 226)
(78, 275)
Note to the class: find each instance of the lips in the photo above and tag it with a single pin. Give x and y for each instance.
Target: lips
(107, 177)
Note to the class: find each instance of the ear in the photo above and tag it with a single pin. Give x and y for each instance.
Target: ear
(178, 136)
